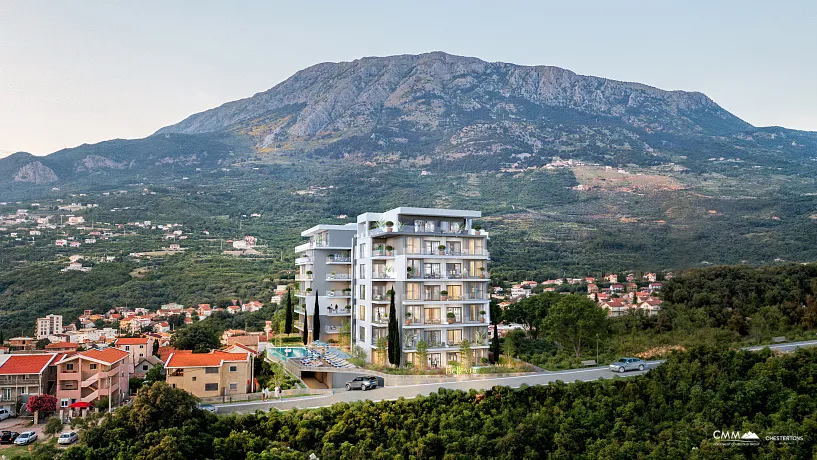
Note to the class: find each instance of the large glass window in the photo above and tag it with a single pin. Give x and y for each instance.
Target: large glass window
(211, 387)
(413, 245)
(454, 292)
(362, 292)
(430, 246)
(361, 312)
(454, 336)
(432, 292)
(413, 291)
(432, 316)
(457, 311)
(431, 271)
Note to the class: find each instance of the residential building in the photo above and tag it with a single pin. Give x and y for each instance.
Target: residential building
(22, 343)
(144, 365)
(25, 374)
(435, 263)
(213, 374)
(50, 325)
(64, 347)
(90, 375)
(136, 347)
(325, 270)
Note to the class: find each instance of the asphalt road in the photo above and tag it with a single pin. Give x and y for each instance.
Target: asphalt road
(412, 391)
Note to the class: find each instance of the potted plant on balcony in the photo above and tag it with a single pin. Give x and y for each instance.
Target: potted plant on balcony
(451, 317)
(389, 226)
(347, 291)
(408, 318)
(308, 291)
(477, 229)
(331, 257)
(444, 295)
(309, 273)
(332, 275)
(389, 250)
(441, 248)
(482, 272)
(348, 308)
(482, 316)
(408, 271)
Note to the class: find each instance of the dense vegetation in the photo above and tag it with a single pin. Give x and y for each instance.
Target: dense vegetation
(670, 412)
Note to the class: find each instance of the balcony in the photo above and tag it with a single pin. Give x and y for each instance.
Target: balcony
(447, 253)
(332, 329)
(382, 276)
(339, 312)
(339, 260)
(426, 230)
(339, 294)
(338, 277)
(382, 253)
(303, 260)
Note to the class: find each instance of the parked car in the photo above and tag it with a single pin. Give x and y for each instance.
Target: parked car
(25, 438)
(208, 407)
(8, 437)
(4, 414)
(628, 364)
(68, 438)
(367, 382)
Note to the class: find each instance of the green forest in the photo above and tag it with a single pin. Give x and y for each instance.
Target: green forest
(670, 412)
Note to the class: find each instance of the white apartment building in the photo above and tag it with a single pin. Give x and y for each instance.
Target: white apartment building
(433, 259)
(325, 269)
(50, 325)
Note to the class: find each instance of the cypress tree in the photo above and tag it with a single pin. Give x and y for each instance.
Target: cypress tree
(288, 323)
(395, 352)
(316, 320)
(306, 328)
(495, 341)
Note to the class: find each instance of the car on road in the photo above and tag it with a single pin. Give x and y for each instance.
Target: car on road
(8, 437)
(366, 382)
(628, 364)
(4, 414)
(25, 438)
(208, 407)
(68, 438)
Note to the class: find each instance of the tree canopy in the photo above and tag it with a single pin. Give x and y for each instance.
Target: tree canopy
(200, 337)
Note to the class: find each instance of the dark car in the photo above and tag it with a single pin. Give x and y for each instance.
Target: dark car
(8, 437)
(364, 383)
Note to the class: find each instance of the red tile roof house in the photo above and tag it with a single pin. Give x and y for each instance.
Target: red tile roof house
(251, 306)
(90, 375)
(26, 374)
(62, 346)
(136, 347)
(616, 307)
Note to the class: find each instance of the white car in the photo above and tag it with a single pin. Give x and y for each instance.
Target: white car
(68, 438)
(4, 414)
(26, 437)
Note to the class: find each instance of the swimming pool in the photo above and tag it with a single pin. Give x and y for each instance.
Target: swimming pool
(294, 352)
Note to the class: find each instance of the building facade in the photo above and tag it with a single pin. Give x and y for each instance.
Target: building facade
(25, 375)
(325, 270)
(208, 375)
(50, 325)
(435, 262)
(90, 375)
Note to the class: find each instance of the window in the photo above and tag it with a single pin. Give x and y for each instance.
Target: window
(194, 379)
(69, 367)
(233, 386)
(362, 274)
(211, 370)
(361, 336)
(93, 367)
(412, 291)
(362, 292)
(233, 368)
(362, 250)
(127, 347)
(413, 246)
(211, 387)
(361, 312)
(64, 402)
(454, 292)
(455, 336)
(144, 367)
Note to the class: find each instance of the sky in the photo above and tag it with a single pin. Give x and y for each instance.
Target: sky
(74, 72)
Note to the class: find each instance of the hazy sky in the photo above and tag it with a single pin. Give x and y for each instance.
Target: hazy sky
(74, 72)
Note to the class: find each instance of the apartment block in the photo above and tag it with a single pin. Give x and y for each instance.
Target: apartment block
(434, 260)
(50, 325)
(325, 270)
(23, 375)
(90, 375)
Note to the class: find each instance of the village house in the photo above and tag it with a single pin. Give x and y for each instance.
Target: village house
(611, 278)
(208, 375)
(24, 375)
(136, 347)
(90, 375)
(144, 365)
(22, 343)
(251, 306)
(63, 347)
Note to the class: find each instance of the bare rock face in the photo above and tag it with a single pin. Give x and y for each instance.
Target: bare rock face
(96, 162)
(35, 172)
(441, 92)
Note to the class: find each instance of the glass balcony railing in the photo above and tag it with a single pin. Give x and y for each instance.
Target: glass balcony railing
(338, 259)
(338, 276)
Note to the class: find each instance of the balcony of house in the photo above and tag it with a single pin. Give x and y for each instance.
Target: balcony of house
(447, 252)
(304, 261)
(341, 311)
(299, 310)
(19, 380)
(382, 251)
(304, 277)
(338, 276)
(343, 259)
(298, 325)
(339, 294)
(331, 329)
(384, 274)
(422, 227)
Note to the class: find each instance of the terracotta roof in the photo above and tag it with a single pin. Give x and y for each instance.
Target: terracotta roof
(51, 346)
(107, 356)
(251, 340)
(26, 364)
(212, 359)
(132, 341)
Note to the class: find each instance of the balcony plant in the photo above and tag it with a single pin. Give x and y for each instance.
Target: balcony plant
(408, 318)
(482, 272)
(477, 229)
(308, 290)
(399, 225)
(408, 271)
(451, 317)
(482, 316)
(331, 257)
(309, 273)
(382, 225)
(389, 250)
(441, 248)
(332, 275)
(348, 307)
(389, 226)
(387, 271)
(347, 291)
(444, 294)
